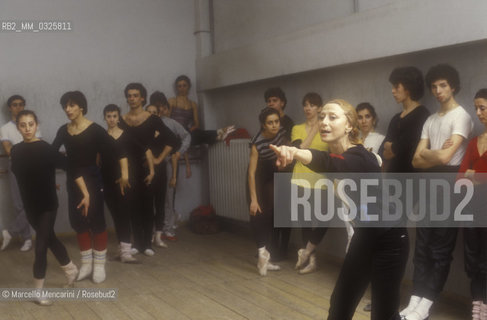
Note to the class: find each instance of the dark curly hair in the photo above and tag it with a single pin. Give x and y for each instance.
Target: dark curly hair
(411, 79)
(446, 72)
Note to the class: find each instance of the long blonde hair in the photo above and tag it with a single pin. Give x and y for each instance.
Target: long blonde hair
(352, 117)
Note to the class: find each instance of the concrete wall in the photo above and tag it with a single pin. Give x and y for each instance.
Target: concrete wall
(112, 43)
(340, 49)
(391, 28)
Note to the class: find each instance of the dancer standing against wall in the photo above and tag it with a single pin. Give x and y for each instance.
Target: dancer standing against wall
(144, 127)
(185, 111)
(118, 200)
(169, 229)
(158, 185)
(305, 136)
(441, 149)
(34, 163)
(84, 140)
(475, 239)
(376, 255)
(261, 184)
(404, 131)
(10, 136)
(367, 121)
(276, 99)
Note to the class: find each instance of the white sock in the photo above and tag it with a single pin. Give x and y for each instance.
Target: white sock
(423, 308)
(86, 264)
(99, 259)
(413, 303)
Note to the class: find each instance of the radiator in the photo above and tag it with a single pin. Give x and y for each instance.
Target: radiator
(228, 178)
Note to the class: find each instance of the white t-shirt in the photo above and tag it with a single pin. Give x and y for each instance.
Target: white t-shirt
(9, 132)
(374, 141)
(437, 129)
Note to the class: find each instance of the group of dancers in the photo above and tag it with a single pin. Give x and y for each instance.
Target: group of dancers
(339, 138)
(125, 166)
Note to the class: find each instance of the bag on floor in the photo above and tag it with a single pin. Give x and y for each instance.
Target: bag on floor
(203, 220)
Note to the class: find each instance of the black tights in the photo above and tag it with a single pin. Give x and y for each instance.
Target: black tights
(142, 214)
(432, 259)
(376, 256)
(119, 209)
(313, 235)
(43, 224)
(159, 189)
(475, 241)
(262, 223)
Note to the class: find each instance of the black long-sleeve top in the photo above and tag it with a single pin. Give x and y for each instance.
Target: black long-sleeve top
(34, 165)
(82, 148)
(405, 133)
(127, 147)
(356, 159)
(145, 134)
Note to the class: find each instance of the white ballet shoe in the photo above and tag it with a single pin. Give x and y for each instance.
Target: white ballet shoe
(70, 272)
(26, 246)
(263, 261)
(149, 252)
(223, 133)
(39, 299)
(311, 266)
(273, 267)
(303, 257)
(126, 253)
(158, 241)
(6, 239)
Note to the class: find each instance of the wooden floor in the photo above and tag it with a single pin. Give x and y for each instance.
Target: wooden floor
(197, 277)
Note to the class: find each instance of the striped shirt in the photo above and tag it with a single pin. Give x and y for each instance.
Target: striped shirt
(262, 144)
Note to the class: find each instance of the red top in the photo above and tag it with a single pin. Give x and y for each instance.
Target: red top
(472, 159)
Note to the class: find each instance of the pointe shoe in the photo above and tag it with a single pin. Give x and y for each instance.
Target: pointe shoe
(158, 241)
(39, 299)
(26, 246)
(263, 262)
(149, 252)
(311, 266)
(43, 301)
(126, 253)
(273, 267)
(303, 257)
(6, 239)
(224, 132)
(86, 264)
(70, 272)
(100, 258)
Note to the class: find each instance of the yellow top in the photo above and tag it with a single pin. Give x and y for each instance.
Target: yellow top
(300, 170)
